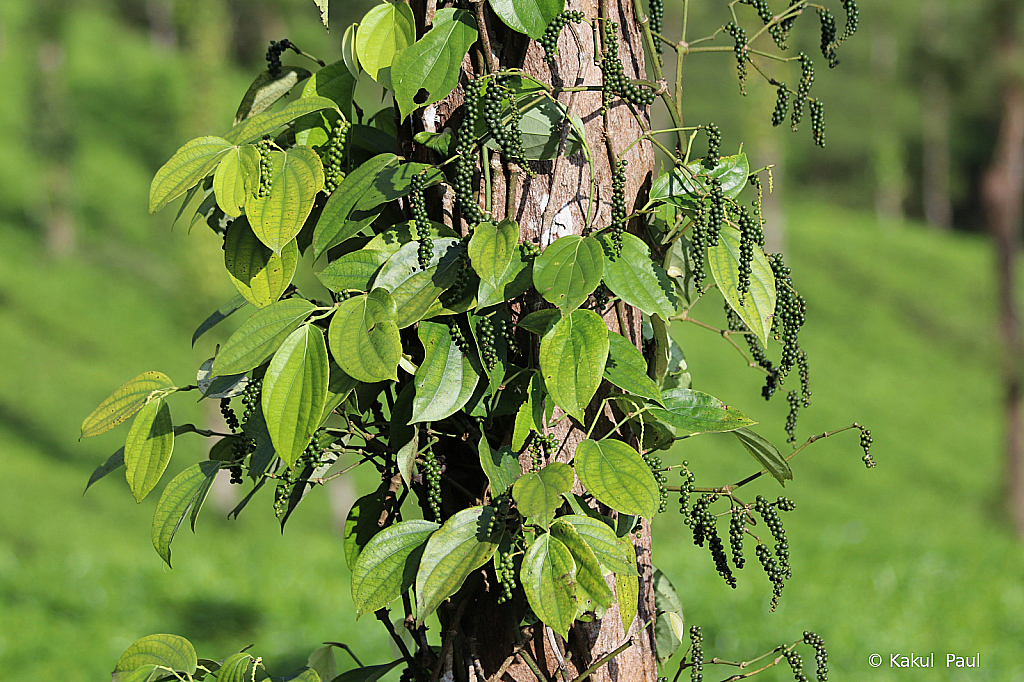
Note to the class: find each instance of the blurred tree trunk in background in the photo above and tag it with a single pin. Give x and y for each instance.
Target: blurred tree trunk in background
(888, 156)
(206, 29)
(935, 109)
(1003, 195)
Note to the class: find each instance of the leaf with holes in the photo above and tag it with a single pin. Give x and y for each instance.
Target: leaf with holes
(277, 217)
(124, 402)
(364, 338)
(387, 565)
(697, 412)
(189, 165)
(568, 271)
(294, 391)
(637, 280)
(186, 490)
(616, 475)
(259, 274)
(445, 379)
(757, 307)
(461, 546)
(148, 447)
(259, 337)
(385, 31)
(549, 580)
(434, 62)
(572, 359)
(539, 493)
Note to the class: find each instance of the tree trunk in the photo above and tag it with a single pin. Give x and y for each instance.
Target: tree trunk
(1003, 192)
(549, 204)
(938, 208)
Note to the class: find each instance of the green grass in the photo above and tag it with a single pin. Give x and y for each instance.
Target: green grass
(911, 556)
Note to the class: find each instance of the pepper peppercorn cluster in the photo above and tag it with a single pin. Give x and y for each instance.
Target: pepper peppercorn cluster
(549, 41)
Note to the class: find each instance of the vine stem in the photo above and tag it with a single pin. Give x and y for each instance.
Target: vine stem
(667, 97)
(604, 659)
(726, 334)
(382, 616)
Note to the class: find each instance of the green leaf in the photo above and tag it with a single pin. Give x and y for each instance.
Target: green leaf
(539, 322)
(167, 651)
(385, 31)
(348, 50)
(434, 62)
(235, 668)
(190, 164)
(259, 274)
(638, 280)
(322, 661)
(237, 176)
(688, 187)
(405, 436)
(255, 127)
(528, 16)
(294, 391)
(148, 447)
(415, 290)
(669, 627)
(538, 494)
(303, 674)
(219, 315)
(362, 523)
(445, 380)
(549, 580)
(572, 358)
(627, 369)
(767, 454)
(334, 225)
(216, 387)
(758, 305)
(453, 552)
(266, 90)
(697, 412)
(396, 236)
(353, 271)
(439, 142)
(369, 673)
(334, 82)
(501, 466)
(627, 595)
(185, 490)
(323, 5)
(259, 337)
(395, 181)
(387, 565)
(568, 271)
(494, 252)
(339, 386)
(277, 217)
(616, 475)
(364, 338)
(530, 415)
(588, 570)
(124, 402)
(113, 463)
(605, 544)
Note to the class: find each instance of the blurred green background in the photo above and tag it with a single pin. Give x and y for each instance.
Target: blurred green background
(882, 228)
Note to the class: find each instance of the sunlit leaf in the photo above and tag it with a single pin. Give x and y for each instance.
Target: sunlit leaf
(169, 651)
(259, 274)
(757, 307)
(414, 289)
(568, 271)
(767, 454)
(445, 380)
(364, 338)
(255, 127)
(434, 62)
(697, 412)
(588, 570)
(616, 475)
(549, 580)
(266, 90)
(572, 358)
(277, 217)
(294, 391)
(627, 369)
(235, 668)
(528, 16)
(387, 565)
(334, 225)
(259, 337)
(148, 447)
(539, 493)
(189, 165)
(185, 490)
(124, 402)
(607, 546)
(636, 279)
(687, 186)
(384, 31)
(354, 271)
(235, 178)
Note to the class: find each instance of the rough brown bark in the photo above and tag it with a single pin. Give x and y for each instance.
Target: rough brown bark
(1003, 193)
(552, 203)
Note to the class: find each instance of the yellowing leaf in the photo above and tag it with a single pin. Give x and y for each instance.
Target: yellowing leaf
(148, 448)
(277, 217)
(124, 402)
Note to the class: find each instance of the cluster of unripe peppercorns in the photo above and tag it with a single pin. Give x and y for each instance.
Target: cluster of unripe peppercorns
(486, 340)
(865, 444)
(335, 156)
(802, 90)
(432, 473)
(266, 166)
(618, 206)
(613, 77)
(696, 654)
(704, 526)
(742, 50)
(312, 457)
(420, 221)
(464, 150)
(820, 654)
(654, 462)
(549, 41)
(509, 137)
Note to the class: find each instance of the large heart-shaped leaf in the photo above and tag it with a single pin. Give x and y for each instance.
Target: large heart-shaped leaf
(235, 668)
(255, 127)
(627, 369)
(494, 252)
(259, 337)
(259, 274)
(278, 216)
(236, 177)
(615, 474)
(757, 307)
(190, 164)
(445, 379)
(148, 447)
(767, 454)
(572, 359)
(687, 186)
(168, 651)
(335, 225)
(294, 391)
(387, 565)
(549, 579)
(637, 280)
(434, 62)
(385, 31)
(568, 271)
(186, 491)
(353, 271)
(461, 546)
(364, 337)
(588, 570)
(606, 545)
(414, 289)
(538, 494)
(697, 412)
(528, 16)
(124, 402)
